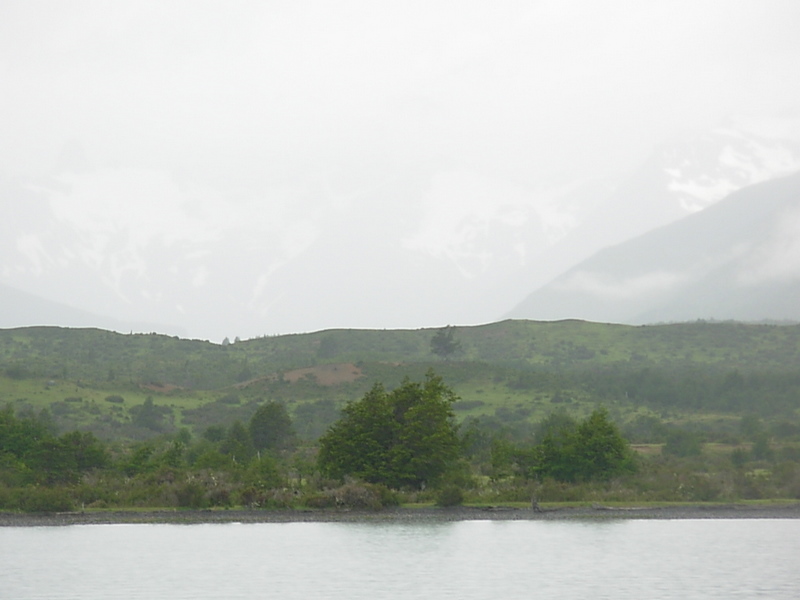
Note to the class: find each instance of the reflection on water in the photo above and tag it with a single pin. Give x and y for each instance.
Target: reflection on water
(464, 560)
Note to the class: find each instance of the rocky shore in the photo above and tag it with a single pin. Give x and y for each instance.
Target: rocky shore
(462, 513)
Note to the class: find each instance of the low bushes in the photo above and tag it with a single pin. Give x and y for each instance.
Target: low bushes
(449, 495)
(353, 495)
(36, 499)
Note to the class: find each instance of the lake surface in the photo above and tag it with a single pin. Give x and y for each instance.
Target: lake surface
(465, 560)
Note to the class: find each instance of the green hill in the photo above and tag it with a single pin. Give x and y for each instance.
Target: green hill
(510, 374)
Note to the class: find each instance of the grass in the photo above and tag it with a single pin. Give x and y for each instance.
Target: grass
(514, 372)
(611, 504)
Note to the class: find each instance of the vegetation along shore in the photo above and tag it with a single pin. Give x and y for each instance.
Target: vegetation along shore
(635, 422)
(406, 515)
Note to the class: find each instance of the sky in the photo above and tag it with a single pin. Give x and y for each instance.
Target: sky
(185, 121)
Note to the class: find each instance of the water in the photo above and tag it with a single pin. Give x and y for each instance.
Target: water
(464, 560)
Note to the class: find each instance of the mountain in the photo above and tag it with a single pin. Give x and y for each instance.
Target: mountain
(423, 245)
(738, 259)
(21, 307)
(681, 177)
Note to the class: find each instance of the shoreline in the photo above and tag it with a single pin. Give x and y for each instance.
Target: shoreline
(403, 515)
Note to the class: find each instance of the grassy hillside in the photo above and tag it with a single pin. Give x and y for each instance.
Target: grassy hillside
(101, 355)
(712, 411)
(509, 374)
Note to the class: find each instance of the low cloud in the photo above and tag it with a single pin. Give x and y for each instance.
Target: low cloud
(629, 288)
(778, 259)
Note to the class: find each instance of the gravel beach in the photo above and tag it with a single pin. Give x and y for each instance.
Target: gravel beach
(699, 511)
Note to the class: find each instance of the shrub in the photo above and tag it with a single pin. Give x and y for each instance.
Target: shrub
(16, 372)
(353, 495)
(191, 495)
(42, 499)
(386, 496)
(449, 495)
(258, 497)
(7, 499)
(468, 404)
(220, 497)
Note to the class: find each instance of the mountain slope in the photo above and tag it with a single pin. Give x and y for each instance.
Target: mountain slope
(681, 177)
(21, 307)
(421, 245)
(739, 259)
(427, 247)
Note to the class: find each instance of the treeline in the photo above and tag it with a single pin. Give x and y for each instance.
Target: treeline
(694, 388)
(35, 462)
(41, 471)
(512, 399)
(389, 446)
(767, 392)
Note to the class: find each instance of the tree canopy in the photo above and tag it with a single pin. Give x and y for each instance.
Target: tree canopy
(403, 438)
(271, 427)
(31, 453)
(577, 451)
(444, 343)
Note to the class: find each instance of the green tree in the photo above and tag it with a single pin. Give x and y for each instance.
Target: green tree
(601, 450)
(238, 444)
(271, 427)
(558, 423)
(173, 456)
(444, 343)
(140, 460)
(30, 450)
(406, 437)
(591, 449)
(20, 436)
(262, 472)
(360, 443)
(214, 433)
(86, 450)
(149, 415)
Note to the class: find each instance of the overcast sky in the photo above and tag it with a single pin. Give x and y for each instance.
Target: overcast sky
(193, 115)
(249, 95)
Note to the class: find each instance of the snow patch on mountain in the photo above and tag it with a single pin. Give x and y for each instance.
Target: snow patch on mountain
(600, 285)
(740, 152)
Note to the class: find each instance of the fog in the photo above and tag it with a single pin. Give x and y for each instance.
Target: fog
(155, 153)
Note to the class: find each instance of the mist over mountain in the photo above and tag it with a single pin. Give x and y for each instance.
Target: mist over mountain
(432, 245)
(680, 177)
(738, 259)
(20, 309)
